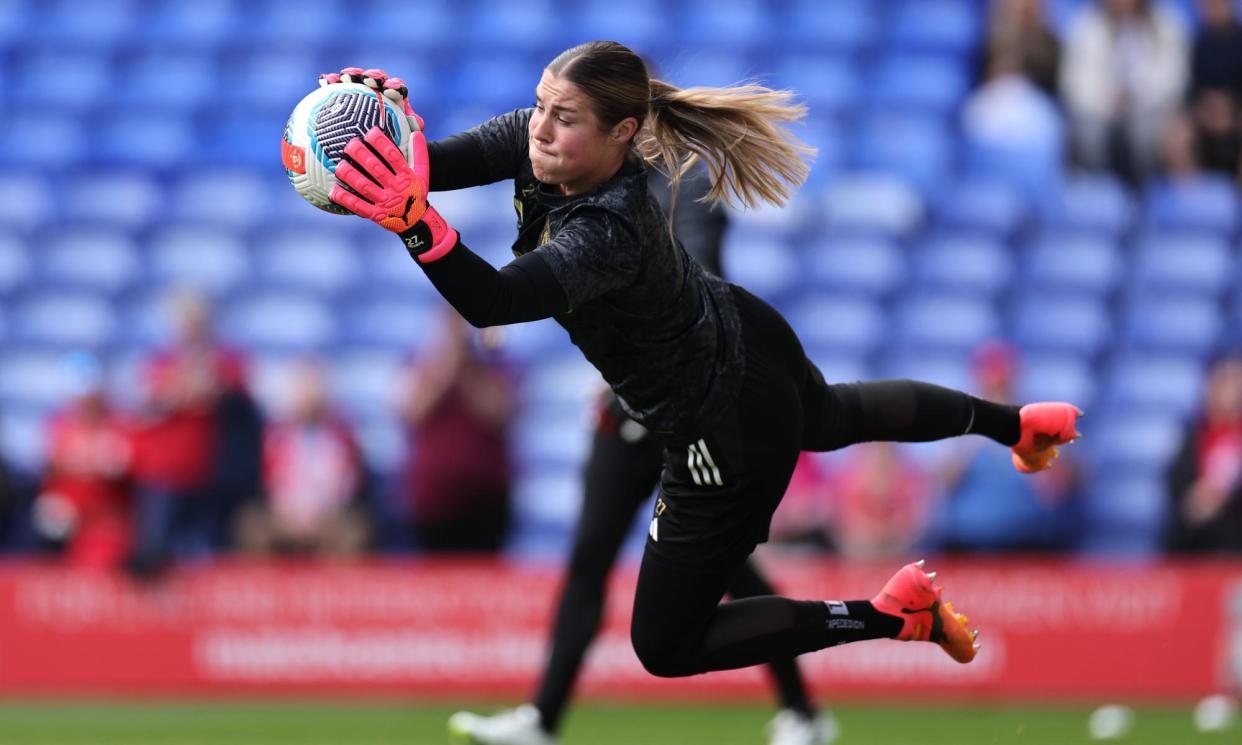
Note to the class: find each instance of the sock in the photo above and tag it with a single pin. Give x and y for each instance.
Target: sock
(857, 620)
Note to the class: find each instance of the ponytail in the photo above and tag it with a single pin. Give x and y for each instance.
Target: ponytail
(738, 134)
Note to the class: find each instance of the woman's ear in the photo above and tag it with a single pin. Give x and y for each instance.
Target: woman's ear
(624, 130)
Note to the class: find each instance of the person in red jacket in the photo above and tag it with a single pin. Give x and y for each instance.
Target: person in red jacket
(85, 501)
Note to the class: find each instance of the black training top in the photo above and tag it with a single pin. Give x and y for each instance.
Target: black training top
(662, 332)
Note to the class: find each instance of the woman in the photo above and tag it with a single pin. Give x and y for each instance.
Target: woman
(716, 374)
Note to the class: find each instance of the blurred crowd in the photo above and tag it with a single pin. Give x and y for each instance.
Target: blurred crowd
(198, 468)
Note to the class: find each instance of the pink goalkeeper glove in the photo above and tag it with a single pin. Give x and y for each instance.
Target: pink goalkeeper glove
(376, 181)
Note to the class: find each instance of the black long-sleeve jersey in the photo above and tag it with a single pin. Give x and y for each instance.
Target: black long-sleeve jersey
(663, 333)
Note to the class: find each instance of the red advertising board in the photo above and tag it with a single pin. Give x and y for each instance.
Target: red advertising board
(1051, 630)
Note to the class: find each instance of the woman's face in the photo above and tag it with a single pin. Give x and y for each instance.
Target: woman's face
(567, 147)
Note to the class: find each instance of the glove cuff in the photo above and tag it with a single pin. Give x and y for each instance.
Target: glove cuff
(430, 238)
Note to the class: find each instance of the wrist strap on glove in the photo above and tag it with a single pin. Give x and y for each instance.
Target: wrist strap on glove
(430, 238)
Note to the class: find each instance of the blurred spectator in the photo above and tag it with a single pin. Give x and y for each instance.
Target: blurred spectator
(1205, 480)
(314, 482)
(1012, 129)
(804, 518)
(179, 515)
(882, 501)
(1216, 88)
(458, 406)
(85, 503)
(1123, 75)
(988, 506)
(1019, 29)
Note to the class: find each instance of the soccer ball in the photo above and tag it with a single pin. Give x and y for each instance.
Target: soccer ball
(320, 127)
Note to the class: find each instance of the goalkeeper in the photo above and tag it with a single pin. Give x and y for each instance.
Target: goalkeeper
(714, 373)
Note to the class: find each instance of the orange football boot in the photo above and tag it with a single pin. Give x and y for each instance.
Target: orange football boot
(927, 617)
(1044, 427)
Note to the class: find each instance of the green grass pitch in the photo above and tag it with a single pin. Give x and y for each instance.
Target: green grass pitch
(336, 723)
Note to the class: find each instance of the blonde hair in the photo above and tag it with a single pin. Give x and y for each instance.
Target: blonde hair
(738, 132)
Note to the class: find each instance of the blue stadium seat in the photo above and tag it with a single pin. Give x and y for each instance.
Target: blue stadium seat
(872, 203)
(543, 437)
(50, 140)
(983, 204)
(931, 365)
(86, 72)
(208, 258)
(386, 22)
(847, 326)
(365, 383)
(731, 24)
(827, 83)
(951, 26)
(309, 257)
(26, 200)
(1096, 203)
(73, 24)
(1187, 324)
(922, 83)
(1033, 169)
(200, 26)
(918, 149)
(1056, 377)
(971, 264)
(22, 438)
(126, 199)
(546, 502)
(560, 381)
(90, 257)
(849, 26)
(769, 265)
(496, 83)
(1138, 442)
(147, 140)
(945, 321)
(33, 378)
(1125, 513)
(1066, 261)
(291, 22)
(234, 198)
(824, 134)
(15, 264)
(1160, 385)
(145, 322)
(384, 448)
(534, 343)
(1071, 323)
(1192, 263)
(860, 264)
(64, 319)
(640, 23)
(15, 17)
(392, 322)
(494, 25)
(247, 137)
(168, 81)
(277, 322)
(1202, 203)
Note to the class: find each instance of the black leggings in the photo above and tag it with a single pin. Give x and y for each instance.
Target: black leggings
(620, 475)
(710, 525)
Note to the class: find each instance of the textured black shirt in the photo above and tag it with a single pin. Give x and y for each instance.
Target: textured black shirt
(662, 332)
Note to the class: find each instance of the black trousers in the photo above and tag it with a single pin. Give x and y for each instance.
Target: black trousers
(622, 470)
(718, 492)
